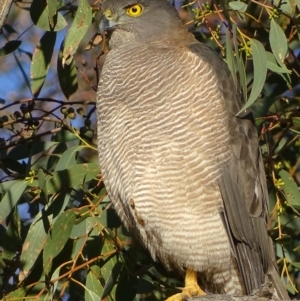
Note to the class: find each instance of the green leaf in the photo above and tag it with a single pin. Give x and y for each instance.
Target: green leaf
(298, 3)
(285, 6)
(78, 245)
(10, 47)
(14, 165)
(39, 12)
(296, 121)
(23, 151)
(43, 185)
(84, 227)
(11, 198)
(5, 186)
(41, 61)
(284, 240)
(9, 28)
(93, 284)
(53, 277)
(144, 286)
(280, 145)
(278, 42)
(34, 243)
(260, 72)
(110, 219)
(67, 74)
(91, 296)
(230, 57)
(111, 275)
(295, 131)
(57, 205)
(55, 155)
(291, 288)
(74, 176)
(16, 294)
(295, 264)
(78, 29)
(273, 66)
(290, 189)
(68, 158)
(65, 136)
(242, 75)
(240, 64)
(12, 238)
(52, 12)
(238, 5)
(2, 236)
(57, 238)
(239, 8)
(126, 286)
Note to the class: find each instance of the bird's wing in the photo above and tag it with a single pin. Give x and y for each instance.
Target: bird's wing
(243, 186)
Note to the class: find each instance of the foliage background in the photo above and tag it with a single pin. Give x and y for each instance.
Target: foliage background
(60, 238)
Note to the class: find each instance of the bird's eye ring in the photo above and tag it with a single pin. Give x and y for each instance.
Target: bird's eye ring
(134, 10)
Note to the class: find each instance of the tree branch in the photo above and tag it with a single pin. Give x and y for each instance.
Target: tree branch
(5, 6)
(232, 298)
(263, 293)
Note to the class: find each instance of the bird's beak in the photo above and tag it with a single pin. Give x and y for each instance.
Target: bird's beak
(107, 22)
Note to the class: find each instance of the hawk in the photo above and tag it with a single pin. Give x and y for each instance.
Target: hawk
(183, 171)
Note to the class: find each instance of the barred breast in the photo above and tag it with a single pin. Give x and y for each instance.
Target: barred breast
(163, 139)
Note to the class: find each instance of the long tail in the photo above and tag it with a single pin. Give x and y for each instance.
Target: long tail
(280, 290)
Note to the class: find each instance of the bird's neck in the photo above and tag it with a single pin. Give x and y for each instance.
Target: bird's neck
(120, 38)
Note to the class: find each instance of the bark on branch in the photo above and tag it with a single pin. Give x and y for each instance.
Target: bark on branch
(5, 6)
(232, 298)
(264, 293)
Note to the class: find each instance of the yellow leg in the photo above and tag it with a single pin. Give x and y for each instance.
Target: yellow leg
(191, 288)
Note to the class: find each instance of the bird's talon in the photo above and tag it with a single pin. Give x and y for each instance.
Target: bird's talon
(193, 290)
(188, 292)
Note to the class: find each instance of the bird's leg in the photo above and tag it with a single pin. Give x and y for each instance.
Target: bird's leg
(191, 287)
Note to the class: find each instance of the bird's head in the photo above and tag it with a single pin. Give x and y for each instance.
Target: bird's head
(141, 20)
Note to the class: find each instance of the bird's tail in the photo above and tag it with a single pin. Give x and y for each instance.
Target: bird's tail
(280, 290)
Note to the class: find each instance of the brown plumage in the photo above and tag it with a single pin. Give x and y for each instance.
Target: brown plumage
(183, 172)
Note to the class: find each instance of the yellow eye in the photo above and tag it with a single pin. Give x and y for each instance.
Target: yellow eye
(134, 10)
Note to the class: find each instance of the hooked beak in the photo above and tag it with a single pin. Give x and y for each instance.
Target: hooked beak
(107, 22)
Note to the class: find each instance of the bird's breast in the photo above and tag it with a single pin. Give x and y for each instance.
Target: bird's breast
(164, 138)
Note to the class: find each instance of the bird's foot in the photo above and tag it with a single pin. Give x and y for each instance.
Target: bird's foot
(191, 288)
(188, 292)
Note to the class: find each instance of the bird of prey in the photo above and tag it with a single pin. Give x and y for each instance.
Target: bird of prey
(183, 171)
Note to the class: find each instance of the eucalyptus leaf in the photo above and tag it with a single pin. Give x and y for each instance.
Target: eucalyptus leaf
(297, 3)
(273, 65)
(39, 12)
(57, 238)
(278, 42)
(41, 61)
(238, 5)
(23, 151)
(290, 188)
(230, 57)
(34, 243)
(11, 198)
(67, 74)
(10, 47)
(260, 72)
(68, 158)
(74, 176)
(111, 275)
(78, 29)
(93, 284)
(91, 296)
